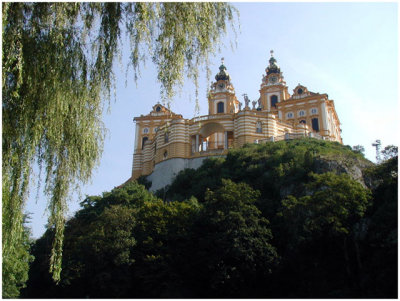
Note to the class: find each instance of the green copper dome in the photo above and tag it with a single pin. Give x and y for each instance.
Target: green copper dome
(273, 66)
(223, 74)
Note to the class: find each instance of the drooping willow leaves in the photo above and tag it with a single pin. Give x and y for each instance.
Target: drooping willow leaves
(57, 72)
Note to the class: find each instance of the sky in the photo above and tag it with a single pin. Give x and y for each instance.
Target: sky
(347, 50)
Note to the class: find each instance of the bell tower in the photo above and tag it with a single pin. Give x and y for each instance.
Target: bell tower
(222, 99)
(273, 88)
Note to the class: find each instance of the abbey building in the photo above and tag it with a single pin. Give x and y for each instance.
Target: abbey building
(166, 143)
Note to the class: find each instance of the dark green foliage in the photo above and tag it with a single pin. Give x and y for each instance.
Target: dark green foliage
(130, 244)
(359, 149)
(100, 254)
(163, 241)
(275, 169)
(142, 180)
(279, 220)
(15, 267)
(126, 243)
(97, 255)
(390, 151)
(233, 248)
(381, 240)
(321, 238)
(332, 204)
(318, 227)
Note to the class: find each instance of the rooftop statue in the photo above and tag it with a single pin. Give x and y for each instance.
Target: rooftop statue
(246, 100)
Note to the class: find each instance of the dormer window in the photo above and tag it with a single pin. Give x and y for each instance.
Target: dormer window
(158, 109)
(300, 91)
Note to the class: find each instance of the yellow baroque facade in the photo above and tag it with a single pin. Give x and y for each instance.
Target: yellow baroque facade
(163, 136)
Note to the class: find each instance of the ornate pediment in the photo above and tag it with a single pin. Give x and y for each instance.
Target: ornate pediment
(160, 110)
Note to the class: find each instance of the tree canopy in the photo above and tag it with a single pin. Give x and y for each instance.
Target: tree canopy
(57, 71)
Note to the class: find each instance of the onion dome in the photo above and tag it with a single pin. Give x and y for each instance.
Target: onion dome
(273, 66)
(222, 75)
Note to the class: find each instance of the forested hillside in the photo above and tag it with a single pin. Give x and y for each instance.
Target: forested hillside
(290, 219)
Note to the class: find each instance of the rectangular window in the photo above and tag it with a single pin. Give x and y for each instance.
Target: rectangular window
(258, 127)
(315, 124)
(220, 107)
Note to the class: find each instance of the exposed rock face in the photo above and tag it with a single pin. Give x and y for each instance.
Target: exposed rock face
(355, 168)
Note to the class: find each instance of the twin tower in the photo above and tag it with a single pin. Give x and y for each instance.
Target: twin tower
(166, 143)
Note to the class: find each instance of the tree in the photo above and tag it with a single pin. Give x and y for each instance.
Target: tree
(163, 250)
(390, 151)
(359, 149)
(381, 241)
(57, 70)
(334, 202)
(98, 254)
(322, 224)
(16, 266)
(233, 251)
(124, 244)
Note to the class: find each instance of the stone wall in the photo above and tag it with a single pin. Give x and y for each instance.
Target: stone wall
(165, 171)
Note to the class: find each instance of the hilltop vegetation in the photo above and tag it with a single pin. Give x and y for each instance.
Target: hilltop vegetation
(294, 219)
(275, 169)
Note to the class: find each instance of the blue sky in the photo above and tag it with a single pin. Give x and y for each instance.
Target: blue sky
(347, 50)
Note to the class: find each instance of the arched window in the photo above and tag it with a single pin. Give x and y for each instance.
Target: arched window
(259, 127)
(144, 140)
(220, 107)
(274, 101)
(289, 115)
(314, 111)
(302, 113)
(158, 109)
(166, 137)
(145, 130)
(315, 125)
